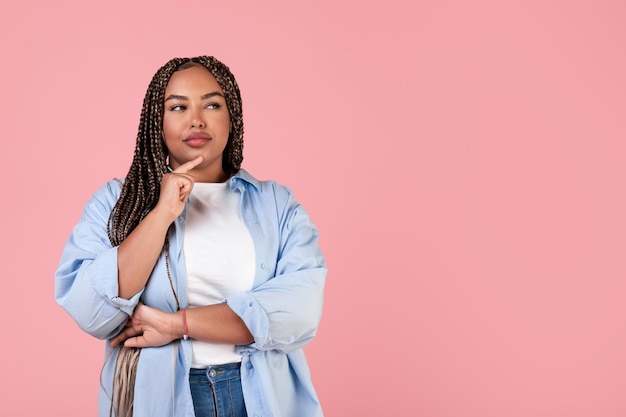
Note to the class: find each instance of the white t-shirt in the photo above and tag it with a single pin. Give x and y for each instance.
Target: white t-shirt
(220, 258)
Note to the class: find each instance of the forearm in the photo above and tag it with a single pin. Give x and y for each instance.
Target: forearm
(215, 323)
(139, 252)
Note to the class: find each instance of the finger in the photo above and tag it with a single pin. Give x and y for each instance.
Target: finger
(117, 340)
(185, 184)
(127, 332)
(185, 192)
(189, 165)
(135, 342)
(175, 186)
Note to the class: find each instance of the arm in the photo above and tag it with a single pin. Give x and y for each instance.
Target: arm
(152, 327)
(86, 278)
(148, 237)
(282, 313)
(87, 283)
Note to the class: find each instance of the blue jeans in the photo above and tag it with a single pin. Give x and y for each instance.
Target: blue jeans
(216, 391)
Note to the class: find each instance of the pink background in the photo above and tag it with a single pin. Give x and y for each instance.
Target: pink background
(464, 161)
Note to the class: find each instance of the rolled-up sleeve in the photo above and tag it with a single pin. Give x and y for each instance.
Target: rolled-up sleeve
(283, 313)
(86, 282)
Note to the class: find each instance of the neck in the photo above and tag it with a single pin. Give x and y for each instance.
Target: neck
(204, 173)
(204, 176)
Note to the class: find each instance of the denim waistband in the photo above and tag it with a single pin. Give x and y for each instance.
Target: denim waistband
(215, 373)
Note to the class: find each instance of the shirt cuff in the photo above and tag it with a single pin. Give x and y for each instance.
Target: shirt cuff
(104, 278)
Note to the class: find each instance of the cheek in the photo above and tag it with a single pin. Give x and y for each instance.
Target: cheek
(227, 123)
(221, 124)
(169, 129)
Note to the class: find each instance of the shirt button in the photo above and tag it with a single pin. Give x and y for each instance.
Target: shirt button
(263, 266)
(249, 365)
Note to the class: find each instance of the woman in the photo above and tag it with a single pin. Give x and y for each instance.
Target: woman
(206, 281)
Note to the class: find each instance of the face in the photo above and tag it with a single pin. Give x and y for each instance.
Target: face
(196, 122)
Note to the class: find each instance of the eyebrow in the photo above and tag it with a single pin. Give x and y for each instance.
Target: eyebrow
(204, 97)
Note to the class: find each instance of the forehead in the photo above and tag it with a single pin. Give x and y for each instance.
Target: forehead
(195, 79)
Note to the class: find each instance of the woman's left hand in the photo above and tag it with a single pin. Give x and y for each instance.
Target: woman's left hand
(146, 327)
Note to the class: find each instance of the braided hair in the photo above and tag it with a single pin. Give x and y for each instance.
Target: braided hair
(140, 192)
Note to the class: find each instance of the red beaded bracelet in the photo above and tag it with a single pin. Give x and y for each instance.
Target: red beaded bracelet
(185, 332)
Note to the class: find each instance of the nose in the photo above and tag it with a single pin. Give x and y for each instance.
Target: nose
(197, 119)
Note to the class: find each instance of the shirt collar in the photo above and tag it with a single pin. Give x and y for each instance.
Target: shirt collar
(244, 176)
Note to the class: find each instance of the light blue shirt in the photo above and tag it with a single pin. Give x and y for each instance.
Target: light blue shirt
(282, 311)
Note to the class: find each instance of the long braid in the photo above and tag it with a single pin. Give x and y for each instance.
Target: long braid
(140, 191)
(141, 188)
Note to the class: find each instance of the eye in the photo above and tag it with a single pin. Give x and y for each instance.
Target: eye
(214, 106)
(178, 107)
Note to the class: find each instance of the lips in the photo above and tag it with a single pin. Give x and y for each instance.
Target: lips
(196, 140)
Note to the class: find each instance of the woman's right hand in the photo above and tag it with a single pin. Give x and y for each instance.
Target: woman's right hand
(175, 189)
(147, 239)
